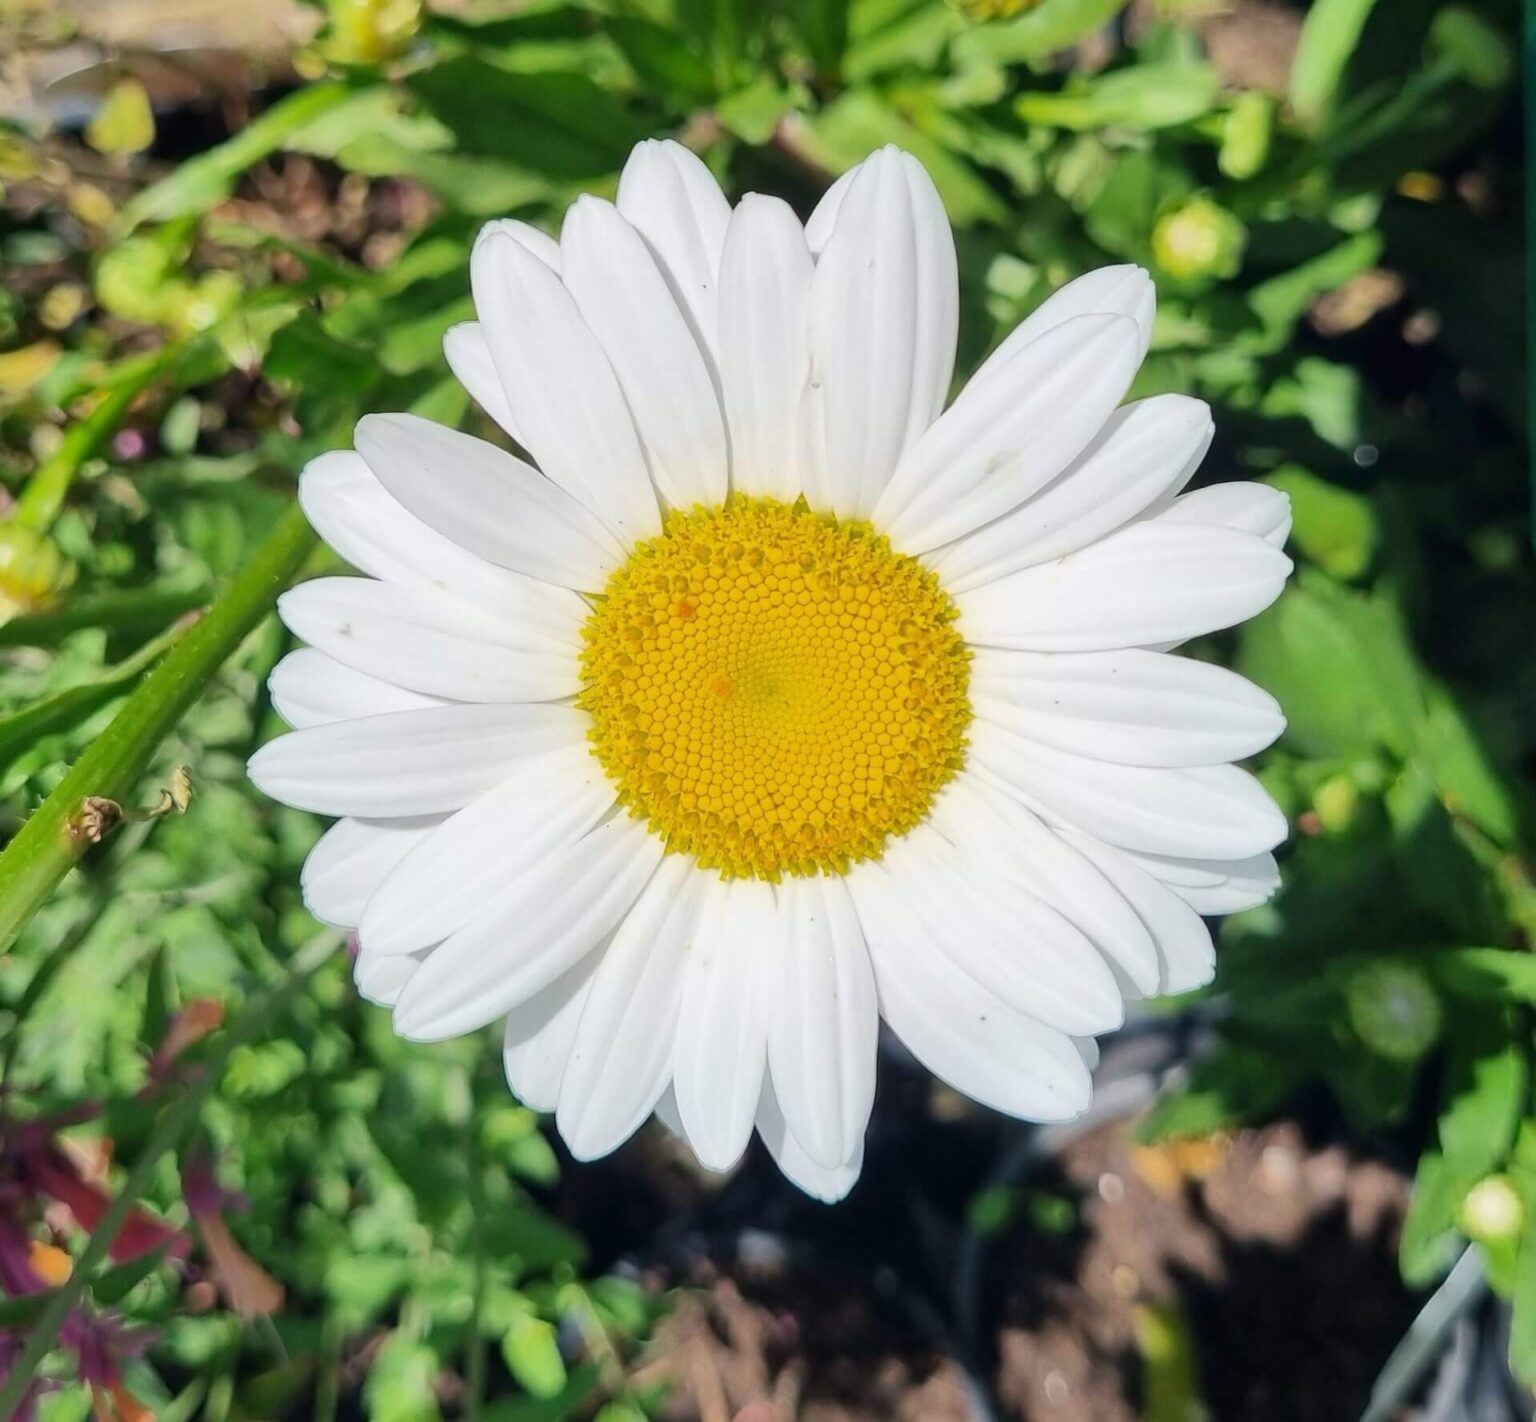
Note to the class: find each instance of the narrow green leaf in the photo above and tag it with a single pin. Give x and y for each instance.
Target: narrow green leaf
(1146, 98)
(71, 706)
(206, 180)
(1328, 38)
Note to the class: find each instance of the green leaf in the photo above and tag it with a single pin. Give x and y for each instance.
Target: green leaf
(1329, 35)
(1334, 527)
(206, 180)
(1487, 1081)
(1340, 665)
(533, 1355)
(666, 64)
(1522, 1323)
(111, 1286)
(753, 113)
(1440, 874)
(1488, 974)
(1246, 135)
(1234, 1084)
(1430, 1239)
(561, 125)
(22, 1310)
(1283, 300)
(823, 27)
(1146, 98)
(401, 1384)
(1051, 26)
(69, 708)
(1468, 782)
(580, 1385)
(853, 126)
(885, 36)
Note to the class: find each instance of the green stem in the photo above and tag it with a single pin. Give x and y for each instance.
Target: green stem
(183, 1102)
(46, 490)
(44, 850)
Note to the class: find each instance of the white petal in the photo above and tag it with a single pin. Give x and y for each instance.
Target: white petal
(722, 1030)
(469, 358)
(826, 1021)
(309, 688)
(531, 239)
(765, 354)
(674, 202)
(351, 859)
(1145, 451)
(883, 316)
(382, 980)
(545, 803)
(1208, 811)
(1183, 940)
(1110, 291)
(353, 511)
(628, 306)
(408, 762)
(621, 1061)
(465, 346)
(963, 1033)
(1150, 583)
(1249, 508)
(540, 925)
(824, 1183)
(994, 832)
(1216, 886)
(562, 391)
(819, 226)
(1010, 941)
(1010, 432)
(482, 499)
(536, 1043)
(436, 644)
(1133, 707)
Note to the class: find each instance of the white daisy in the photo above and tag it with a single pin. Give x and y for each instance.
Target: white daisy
(777, 698)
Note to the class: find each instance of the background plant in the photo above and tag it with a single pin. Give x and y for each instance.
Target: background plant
(1337, 247)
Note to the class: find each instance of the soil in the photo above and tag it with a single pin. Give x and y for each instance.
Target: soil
(1279, 1254)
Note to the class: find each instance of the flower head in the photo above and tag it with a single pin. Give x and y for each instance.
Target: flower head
(774, 697)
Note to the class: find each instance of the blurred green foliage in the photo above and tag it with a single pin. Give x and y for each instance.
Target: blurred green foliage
(1329, 213)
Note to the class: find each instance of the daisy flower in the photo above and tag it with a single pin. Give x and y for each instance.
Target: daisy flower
(773, 698)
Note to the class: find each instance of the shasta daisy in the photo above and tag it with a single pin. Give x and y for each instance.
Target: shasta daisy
(773, 698)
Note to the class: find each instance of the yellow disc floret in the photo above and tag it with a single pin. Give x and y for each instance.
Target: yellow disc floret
(774, 691)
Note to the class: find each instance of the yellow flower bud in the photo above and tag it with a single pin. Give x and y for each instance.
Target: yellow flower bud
(1201, 241)
(32, 571)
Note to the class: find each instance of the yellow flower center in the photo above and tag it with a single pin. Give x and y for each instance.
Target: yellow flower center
(774, 692)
